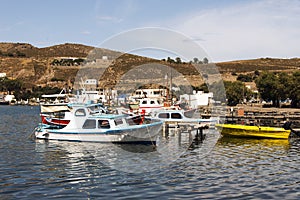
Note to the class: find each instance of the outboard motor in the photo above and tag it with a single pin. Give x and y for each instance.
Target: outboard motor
(287, 125)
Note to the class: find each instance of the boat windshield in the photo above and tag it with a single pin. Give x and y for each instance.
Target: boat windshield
(80, 112)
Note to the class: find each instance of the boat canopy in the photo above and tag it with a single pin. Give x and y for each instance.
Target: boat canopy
(54, 95)
(54, 108)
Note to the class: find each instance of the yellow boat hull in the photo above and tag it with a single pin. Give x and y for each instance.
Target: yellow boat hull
(237, 130)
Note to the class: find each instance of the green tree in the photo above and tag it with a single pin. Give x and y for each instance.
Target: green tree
(294, 90)
(202, 87)
(178, 60)
(270, 87)
(205, 60)
(244, 78)
(170, 60)
(195, 60)
(7, 84)
(236, 92)
(285, 85)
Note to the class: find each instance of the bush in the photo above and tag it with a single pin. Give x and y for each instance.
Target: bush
(244, 78)
(56, 79)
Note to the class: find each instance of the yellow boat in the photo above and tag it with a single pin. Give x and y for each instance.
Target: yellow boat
(238, 130)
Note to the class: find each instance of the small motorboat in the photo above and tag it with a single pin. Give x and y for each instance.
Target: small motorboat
(180, 116)
(87, 126)
(238, 130)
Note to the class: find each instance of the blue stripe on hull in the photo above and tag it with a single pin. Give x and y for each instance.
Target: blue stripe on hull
(115, 142)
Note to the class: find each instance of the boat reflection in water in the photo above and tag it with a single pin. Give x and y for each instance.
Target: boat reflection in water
(130, 158)
(258, 132)
(256, 146)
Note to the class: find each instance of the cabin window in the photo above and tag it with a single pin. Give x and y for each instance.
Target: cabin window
(80, 112)
(89, 124)
(157, 92)
(176, 116)
(163, 115)
(104, 124)
(118, 122)
(144, 102)
(136, 120)
(152, 102)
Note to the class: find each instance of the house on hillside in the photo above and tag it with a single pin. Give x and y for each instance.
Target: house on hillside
(2, 75)
(198, 98)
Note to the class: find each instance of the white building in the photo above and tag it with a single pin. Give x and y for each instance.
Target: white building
(196, 99)
(2, 75)
(9, 97)
(90, 84)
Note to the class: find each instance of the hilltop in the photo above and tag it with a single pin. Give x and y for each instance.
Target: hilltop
(271, 64)
(24, 50)
(58, 65)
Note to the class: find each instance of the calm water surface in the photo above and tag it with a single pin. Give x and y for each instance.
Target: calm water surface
(234, 168)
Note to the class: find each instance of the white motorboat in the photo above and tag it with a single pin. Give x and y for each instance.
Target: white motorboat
(178, 116)
(86, 125)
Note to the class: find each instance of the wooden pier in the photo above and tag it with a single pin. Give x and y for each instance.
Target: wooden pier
(251, 115)
(186, 128)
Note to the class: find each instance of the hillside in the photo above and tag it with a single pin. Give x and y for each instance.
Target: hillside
(58, 65)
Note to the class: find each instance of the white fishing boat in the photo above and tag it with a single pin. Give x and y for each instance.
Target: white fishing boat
(88, 126)
(179, 116)
(148, 105)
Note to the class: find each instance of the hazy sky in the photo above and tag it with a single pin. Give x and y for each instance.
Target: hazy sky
(225, 29)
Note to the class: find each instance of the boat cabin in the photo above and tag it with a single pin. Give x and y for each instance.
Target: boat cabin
(148, 104)
(170, 115)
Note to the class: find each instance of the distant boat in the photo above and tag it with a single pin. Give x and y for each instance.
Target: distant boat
(148, 105)
(87, 126)
(4, 103)
(55, 108)
(60, 114)
(237, 130)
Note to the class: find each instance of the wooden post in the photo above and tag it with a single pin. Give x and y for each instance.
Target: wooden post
(199, 135)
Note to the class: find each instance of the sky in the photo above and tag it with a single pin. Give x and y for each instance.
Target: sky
(224, 29)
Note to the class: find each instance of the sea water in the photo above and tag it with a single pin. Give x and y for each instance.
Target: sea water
(230, 168)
